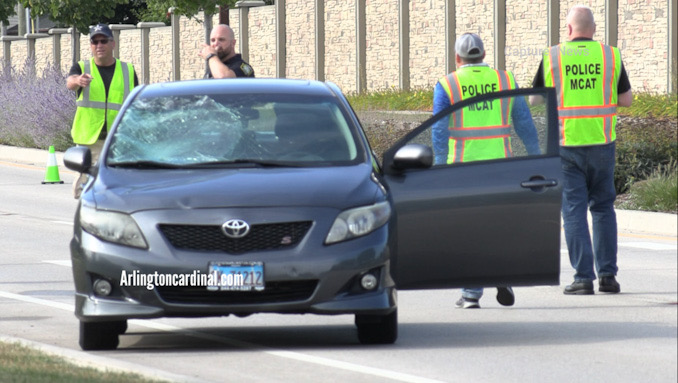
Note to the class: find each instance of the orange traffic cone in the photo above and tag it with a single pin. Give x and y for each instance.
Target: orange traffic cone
(52, 176)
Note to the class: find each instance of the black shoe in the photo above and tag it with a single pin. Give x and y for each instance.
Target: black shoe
(505, 296)
(579, 288)
(608, 285)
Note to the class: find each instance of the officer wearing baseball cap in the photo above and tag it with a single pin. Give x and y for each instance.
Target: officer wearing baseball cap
(100, 29)
(101, 84)
(478, 133)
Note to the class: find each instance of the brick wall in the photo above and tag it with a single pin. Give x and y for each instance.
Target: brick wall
(642, 40)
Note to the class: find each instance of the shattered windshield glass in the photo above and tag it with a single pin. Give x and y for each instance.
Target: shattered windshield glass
(232, 130)
(177, 130)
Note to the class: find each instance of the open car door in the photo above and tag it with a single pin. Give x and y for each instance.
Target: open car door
(473, 223)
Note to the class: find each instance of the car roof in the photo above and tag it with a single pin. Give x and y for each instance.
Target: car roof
(240, 86)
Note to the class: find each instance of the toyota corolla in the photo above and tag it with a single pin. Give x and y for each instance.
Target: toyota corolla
(236, 197)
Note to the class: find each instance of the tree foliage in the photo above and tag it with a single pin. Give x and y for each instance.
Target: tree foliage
(83, 13)
(78, 13)
(7, 10)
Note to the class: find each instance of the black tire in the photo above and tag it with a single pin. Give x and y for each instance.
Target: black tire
(377, 329)
(121, 327)
(101, 335)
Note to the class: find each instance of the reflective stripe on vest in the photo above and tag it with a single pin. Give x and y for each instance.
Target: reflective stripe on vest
(469, 138)
(87, 103)
(94, 107)
(587, 99)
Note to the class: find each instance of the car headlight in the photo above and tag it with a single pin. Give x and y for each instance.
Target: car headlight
(358, 222)
(112, 227)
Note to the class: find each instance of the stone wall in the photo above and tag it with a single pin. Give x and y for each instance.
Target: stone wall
(526, 38)
(642, 39)
(340, 43)
(300, 37)
(382, 50)
(262, 43)
(643, 44)
(427, 42)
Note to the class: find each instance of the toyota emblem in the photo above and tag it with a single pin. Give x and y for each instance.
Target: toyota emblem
(235, 228)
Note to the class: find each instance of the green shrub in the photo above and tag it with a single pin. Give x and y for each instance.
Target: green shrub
(657, 193)
(643, 145)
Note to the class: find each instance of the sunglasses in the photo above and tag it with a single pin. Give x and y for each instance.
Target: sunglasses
(100, 41)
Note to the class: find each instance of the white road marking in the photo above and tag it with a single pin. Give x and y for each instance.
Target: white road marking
(649, 245)
(60, 262)
(37, 301)
(397, 376)
(641, 245)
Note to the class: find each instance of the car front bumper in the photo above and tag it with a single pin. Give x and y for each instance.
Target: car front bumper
(325, 282)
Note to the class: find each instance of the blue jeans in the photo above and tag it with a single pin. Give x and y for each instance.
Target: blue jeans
(588, 176)
(472, 293)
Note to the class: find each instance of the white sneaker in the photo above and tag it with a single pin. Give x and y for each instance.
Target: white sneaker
(467, 303)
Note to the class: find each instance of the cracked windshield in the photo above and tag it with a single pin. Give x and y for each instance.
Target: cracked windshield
(203, 130)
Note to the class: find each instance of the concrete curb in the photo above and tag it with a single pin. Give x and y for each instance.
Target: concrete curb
(28, 156)
(641, 222)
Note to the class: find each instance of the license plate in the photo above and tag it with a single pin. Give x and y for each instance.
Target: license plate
(236, 276)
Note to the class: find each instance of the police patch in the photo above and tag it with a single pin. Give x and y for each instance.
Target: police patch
(246, 69)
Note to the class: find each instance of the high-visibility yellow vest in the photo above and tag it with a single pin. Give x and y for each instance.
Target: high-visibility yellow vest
(480, 131)
(93, 107)
(585, 75)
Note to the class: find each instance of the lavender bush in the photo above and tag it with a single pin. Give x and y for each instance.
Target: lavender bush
(35, 111)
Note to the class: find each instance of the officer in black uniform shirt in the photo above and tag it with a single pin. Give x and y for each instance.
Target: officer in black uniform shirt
(220, 56)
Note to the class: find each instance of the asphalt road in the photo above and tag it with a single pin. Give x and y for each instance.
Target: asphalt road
(545, 337)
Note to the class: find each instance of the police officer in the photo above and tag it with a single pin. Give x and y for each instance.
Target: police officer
(220, 57)
(482, 131)
(591, 82)
(101, 84)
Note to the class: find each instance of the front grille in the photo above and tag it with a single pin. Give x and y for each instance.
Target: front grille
(275, 292)
(210, 237)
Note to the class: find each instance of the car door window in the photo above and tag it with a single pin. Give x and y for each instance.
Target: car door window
(481, 222)
(491, 129)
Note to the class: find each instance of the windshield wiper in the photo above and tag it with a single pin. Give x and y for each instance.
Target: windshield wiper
(145, 165)
(247, 161)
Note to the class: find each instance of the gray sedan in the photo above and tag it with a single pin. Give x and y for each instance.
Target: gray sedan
(220, 197)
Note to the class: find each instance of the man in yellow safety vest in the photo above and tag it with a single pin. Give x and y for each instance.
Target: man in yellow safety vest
(101, 84)
(481, 132)
(590, 82)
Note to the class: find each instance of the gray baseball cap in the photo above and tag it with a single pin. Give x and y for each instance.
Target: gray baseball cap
(469, 46)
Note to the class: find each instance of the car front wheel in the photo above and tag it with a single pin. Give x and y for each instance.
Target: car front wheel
(377, 329)
(101, 335)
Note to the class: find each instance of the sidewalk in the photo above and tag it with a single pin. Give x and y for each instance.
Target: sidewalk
(638, 222)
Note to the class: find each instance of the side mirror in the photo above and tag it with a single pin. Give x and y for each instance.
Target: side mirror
(79, 159)
(413, 156)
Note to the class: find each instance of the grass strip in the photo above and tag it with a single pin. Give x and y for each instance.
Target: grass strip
(19, 364)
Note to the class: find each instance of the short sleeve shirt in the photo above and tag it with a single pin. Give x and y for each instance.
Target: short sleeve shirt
(623, 86)
(237, 65)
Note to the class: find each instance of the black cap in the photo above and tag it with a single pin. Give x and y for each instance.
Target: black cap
(100, 29)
